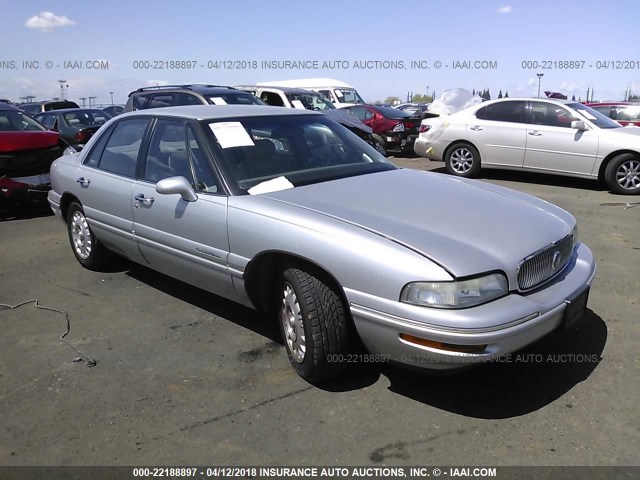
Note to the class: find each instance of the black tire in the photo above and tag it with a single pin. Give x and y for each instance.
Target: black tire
(320, 315)
(622, 174)
(378, 144)
(462, 160)
(88, 250)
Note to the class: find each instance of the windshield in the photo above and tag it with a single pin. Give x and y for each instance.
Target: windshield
(594, 116)
(348, 95)
(292, 150)
(12, 121)
(83, 118)
(311, 101)
(235, 99)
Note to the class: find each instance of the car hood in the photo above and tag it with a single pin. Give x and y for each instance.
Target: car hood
(346, 119)
(625, 131)
(467, 227)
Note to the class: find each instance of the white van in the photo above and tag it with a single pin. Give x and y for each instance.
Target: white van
(340, 93)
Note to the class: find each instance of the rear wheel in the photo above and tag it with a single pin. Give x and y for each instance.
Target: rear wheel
(623, 174)
(462, 160)
(85, 246)
(313, 324)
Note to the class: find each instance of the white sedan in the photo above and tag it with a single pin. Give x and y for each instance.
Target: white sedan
(539, 135)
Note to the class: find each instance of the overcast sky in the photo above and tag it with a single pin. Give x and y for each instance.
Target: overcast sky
(506, 33)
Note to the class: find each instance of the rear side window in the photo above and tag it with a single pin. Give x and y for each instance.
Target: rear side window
(513, 112)
(272, 98)
(140, 102)
(121, 150)
(160, 100)
(188, 99)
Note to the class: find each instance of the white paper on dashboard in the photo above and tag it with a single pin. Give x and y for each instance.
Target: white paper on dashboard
(218, 101)
(297, 104)
(231, 134)
(273, 185)
(587, 114)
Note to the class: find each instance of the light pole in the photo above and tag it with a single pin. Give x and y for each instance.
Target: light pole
(63, 84)
(111, 97)
(540, 75)
(83, 101)
(427, 90)
(91, 98)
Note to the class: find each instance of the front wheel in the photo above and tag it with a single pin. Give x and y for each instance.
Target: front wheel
(462, 160)
(623, 174)
(85, 246)
(313, 325)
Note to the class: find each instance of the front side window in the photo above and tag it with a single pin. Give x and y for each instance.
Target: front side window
(303, 149)
(551, 115)
(513, 112)
(167, 154)
(121, 151)
(272, 98)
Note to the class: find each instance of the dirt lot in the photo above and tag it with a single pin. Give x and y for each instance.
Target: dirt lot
(183, 377)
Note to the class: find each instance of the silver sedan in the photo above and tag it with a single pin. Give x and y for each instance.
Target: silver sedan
(287, 211)
(538, 135)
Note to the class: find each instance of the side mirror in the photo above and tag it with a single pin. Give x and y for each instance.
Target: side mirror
(578, 125)
(179, 185)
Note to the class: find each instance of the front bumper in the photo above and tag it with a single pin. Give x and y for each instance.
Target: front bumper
(504, 325)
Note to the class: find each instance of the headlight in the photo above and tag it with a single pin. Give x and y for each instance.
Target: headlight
(575, 234)
(398, 128)
(460, 294)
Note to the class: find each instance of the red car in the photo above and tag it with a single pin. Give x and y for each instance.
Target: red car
(398, 129)
(625, 113)
(27, 150)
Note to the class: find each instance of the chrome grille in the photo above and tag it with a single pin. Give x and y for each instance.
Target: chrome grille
(541, 266)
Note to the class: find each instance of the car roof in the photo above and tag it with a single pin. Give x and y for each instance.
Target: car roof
(46, 102)
(283, 89)
(215, 112)
(8, 108)
(203, 89)
(66, 110)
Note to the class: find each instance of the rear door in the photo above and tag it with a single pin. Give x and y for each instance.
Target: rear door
(499, 132)
(552, 145)
(106, 179)
(186, 240)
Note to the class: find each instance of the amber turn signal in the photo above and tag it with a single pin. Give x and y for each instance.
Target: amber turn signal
(450, 347)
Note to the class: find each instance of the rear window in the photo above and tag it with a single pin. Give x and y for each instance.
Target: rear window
(393, 113)
(59, 105)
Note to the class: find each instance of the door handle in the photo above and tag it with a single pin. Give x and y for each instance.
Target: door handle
(146, 200)
(476, 128)
(535, 133)
(84, 182)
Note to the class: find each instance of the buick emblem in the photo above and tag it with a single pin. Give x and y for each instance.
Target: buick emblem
(557, 256)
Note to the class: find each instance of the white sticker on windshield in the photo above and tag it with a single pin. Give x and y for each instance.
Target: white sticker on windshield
(218, 100)
(586, 114)
(338, 93)
(274, 185)
(297, 104)
(231, 134)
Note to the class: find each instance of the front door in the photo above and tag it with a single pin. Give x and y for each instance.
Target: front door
(552, 145)
(184, 239)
